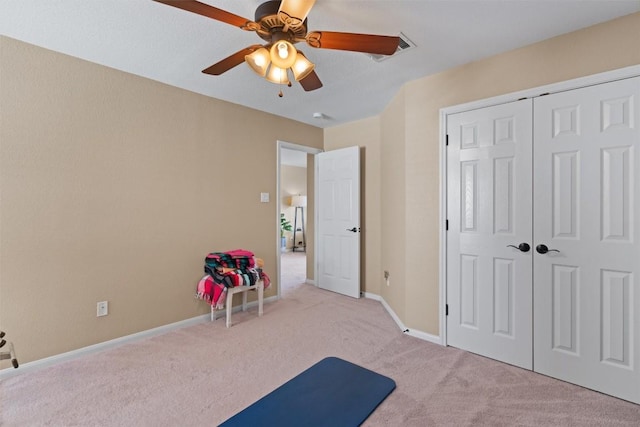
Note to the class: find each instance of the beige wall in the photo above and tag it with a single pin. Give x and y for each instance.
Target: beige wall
(293, 181)
(114, 187)
(409, 132)
(394, 199)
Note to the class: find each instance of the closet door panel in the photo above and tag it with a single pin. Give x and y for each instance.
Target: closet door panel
(587, 304)
(489, 207)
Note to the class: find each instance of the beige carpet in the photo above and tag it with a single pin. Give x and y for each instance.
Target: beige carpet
(293, 270)
(203, 374)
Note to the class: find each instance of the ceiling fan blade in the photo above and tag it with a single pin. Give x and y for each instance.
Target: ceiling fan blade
(294, 12)
(230, 61)
(311, 82)
(212, 12)
(367, 43)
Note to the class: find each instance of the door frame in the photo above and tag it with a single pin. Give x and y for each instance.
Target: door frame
(309, 150)
(604, 77)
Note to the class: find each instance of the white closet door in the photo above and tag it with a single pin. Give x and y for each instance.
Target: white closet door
(587, 206)
(488, 208)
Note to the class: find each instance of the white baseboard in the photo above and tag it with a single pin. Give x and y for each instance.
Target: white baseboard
(255, 303)
(374, 297)
(59, 358)
(425, 336)
(310, 282)
(73, 354)
(412, 332)
(116, 342)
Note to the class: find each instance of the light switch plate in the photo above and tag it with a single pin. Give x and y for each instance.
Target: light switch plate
(264, 197)
(103, 308)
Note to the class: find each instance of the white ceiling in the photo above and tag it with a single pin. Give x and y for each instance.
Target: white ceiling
(173, 46)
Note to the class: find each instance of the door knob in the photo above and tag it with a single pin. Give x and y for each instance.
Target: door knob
(543, 249)
(523, 247)
(353, 230)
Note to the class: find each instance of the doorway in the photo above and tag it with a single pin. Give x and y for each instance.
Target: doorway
(295, 205)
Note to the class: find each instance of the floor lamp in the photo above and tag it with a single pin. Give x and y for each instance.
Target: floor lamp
(299, 202)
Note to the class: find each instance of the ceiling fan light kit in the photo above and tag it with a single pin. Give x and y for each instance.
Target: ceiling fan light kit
(273, 64)
(282, 24)
(277, 75)
(283, 54)
(259, 61)
(302, 67)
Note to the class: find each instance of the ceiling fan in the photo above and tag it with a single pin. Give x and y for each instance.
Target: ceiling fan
(282, 24)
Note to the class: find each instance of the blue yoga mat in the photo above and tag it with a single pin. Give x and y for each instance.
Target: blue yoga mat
(333, 392)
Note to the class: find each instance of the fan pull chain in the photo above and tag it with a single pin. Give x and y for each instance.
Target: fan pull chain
(280, 94)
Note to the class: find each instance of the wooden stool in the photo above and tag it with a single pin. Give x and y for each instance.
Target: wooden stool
(259, 286)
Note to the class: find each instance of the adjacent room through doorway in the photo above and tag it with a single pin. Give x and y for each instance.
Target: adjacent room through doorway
(296, 215)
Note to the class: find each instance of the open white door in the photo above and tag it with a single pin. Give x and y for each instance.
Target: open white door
(338, 177)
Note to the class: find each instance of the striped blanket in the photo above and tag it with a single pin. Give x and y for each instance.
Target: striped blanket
(225, 270)
(237, 259)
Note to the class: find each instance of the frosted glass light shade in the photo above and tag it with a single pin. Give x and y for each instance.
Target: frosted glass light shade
(299, 201)
(294, 12)
(302, 67)
(277, 75)
(283, 54)
(259, 61)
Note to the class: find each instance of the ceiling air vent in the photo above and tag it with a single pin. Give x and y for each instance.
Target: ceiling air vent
(404, 45)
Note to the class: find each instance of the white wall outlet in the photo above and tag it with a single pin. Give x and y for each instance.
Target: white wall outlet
(103, 308)
(264, 197)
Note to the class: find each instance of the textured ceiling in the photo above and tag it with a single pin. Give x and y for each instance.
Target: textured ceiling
(173, 46)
